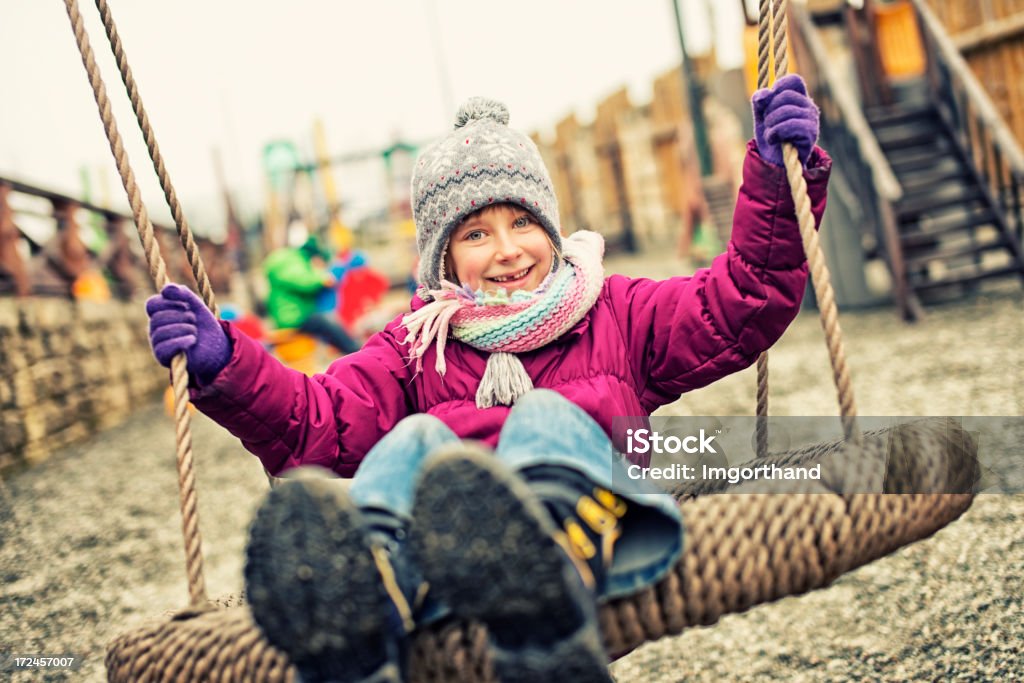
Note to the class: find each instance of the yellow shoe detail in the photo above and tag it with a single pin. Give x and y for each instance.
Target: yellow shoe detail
(608, 545)
(603, 518)
(611, 502)
(388, 578)
(421, 595)
(581, 544)
(596, 516)
(581, 567)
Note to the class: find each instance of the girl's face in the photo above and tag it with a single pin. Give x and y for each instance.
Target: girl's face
(502, 246)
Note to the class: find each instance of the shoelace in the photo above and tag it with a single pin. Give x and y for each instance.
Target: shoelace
(389, 578)
(385, 532)
(601, 514)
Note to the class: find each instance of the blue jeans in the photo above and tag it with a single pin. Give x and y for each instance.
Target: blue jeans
(543, 428)
(328, 330)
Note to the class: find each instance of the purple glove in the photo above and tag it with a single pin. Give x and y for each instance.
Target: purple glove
(784, 113)
(179, 321)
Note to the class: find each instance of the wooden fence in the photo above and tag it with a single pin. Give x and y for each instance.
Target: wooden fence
(632, 173)
(990, 35)
(83, 251)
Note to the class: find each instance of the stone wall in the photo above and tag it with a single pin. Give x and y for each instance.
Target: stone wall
(67, 369)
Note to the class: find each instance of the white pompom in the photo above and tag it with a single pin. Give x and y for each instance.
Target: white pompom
(479, 109)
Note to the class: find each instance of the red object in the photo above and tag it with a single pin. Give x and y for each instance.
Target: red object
(251, 326)
(361, 289)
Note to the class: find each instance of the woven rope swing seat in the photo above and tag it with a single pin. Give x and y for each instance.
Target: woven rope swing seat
(741, 549)
(743, 546)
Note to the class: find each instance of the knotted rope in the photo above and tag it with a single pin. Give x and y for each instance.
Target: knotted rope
(775, 24)
(158, 273)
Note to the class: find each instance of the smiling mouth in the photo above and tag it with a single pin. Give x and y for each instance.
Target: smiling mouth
(512, 277)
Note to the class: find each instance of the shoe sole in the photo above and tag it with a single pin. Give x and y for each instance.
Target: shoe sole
(483, 542)
(312, 585)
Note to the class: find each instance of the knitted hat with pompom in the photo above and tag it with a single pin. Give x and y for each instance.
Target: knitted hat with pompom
(481, 162)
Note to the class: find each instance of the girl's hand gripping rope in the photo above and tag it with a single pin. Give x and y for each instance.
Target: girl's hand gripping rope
(179, 321)
(784, 113)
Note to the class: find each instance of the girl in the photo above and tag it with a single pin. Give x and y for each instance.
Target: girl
(517, 342)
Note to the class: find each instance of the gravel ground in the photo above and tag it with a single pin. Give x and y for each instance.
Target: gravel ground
(90, 541)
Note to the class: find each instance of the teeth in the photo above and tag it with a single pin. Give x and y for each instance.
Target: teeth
(513, 276)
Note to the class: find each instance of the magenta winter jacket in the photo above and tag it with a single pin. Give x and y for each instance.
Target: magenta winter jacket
(643, 344)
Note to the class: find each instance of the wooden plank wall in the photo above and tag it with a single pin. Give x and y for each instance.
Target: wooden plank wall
(637, 163)
(990, 35)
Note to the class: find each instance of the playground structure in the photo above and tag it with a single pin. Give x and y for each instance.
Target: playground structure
(926, 192)
(929, 174)
(292, 201)
(921, 110)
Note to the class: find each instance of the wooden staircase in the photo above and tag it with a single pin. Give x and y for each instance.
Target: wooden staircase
(952, 231)
(932, 177)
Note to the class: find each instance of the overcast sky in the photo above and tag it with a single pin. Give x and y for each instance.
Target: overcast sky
(236, 74)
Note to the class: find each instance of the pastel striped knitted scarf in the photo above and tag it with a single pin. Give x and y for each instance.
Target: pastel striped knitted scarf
(505, 325)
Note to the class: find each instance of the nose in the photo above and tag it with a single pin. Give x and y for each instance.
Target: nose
(507, 248)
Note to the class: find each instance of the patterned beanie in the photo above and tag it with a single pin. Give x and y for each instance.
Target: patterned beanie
(481, 162)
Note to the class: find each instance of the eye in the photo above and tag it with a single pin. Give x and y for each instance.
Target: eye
(473, 235)
(523, 221)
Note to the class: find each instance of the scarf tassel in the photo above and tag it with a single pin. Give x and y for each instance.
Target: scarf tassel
(504, 381)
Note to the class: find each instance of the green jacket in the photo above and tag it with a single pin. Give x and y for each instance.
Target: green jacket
(294, 285)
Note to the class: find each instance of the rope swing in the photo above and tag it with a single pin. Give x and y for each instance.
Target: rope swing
(157, 271)
(740, 550)
(774, 23)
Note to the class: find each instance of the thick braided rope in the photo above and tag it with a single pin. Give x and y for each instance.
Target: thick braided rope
(781, 41)
(158, 271)
(180, 222)
(768, 25)
(828, 312)
(763, 33)
(820, 277)
(763, 59)
(185, 235)
(198, 645)
(761, 424)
